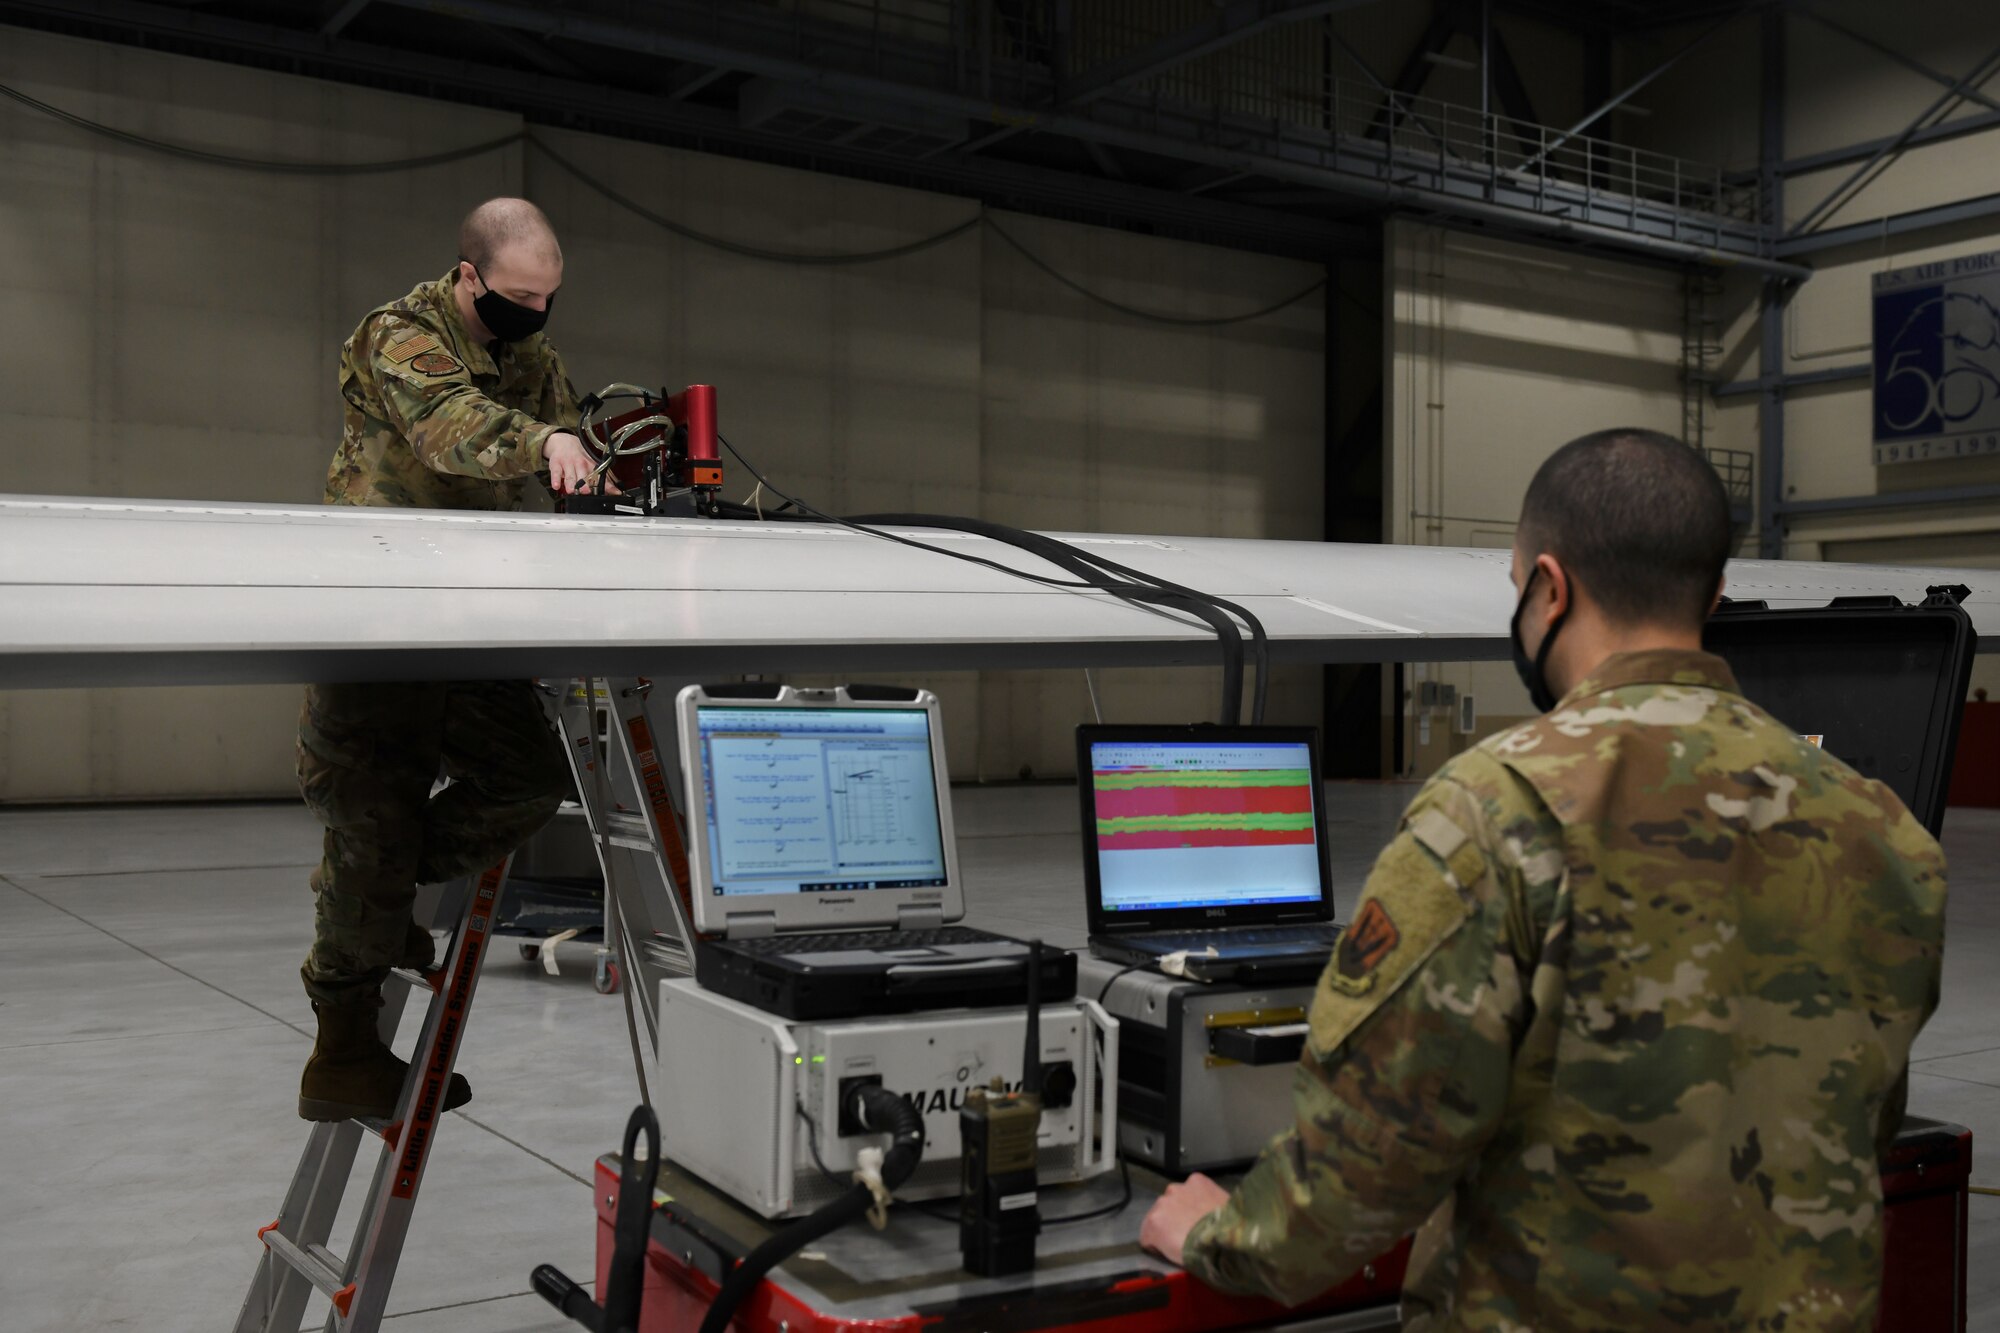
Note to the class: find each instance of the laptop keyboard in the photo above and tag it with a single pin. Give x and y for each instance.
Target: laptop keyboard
(888, 940)
(1315, 934)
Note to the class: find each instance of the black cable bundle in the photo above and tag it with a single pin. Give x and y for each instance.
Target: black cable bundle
(1125, 583)
(877, 1109)
(625, 1283)
(1092, 572)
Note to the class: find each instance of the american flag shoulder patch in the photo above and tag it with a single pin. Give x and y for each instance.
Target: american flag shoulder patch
(411, 346)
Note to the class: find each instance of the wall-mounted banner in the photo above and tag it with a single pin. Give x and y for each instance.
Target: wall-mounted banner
(1937, 360)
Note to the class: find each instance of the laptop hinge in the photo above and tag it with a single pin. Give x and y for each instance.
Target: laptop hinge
(749, 925)
(922, 916)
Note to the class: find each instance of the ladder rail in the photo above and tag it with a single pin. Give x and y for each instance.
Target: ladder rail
(279, 1290)
(296, 1260)
(647, 778)
(627, 781)
(399, 1171)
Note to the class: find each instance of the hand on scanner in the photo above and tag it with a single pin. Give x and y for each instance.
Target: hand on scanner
(570, 466)
(1174, 1214)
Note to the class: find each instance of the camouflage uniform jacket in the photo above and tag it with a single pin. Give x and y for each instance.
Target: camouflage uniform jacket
(433, 419)
(1624, 1012)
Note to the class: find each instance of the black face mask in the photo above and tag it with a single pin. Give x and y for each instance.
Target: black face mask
(1532, 672)
(506, 320)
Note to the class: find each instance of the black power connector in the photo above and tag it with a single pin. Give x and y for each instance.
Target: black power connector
(850, 1123)
(1058, 1085)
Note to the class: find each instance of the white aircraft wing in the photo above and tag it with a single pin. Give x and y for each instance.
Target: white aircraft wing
(141, 592)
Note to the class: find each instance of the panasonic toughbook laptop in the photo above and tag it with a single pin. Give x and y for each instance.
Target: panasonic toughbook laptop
(1204, 850)
(823, 857)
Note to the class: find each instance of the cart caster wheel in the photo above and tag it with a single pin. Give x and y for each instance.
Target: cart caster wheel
(606, 978)
(531, 953)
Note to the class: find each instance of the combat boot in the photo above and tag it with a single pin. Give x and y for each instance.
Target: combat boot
(351, 1073)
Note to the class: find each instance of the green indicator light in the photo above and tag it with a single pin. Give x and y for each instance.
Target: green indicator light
(819, 1059)
(798, 1059)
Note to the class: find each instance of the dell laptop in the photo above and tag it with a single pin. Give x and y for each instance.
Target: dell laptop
(1204, 850)
(823, 867)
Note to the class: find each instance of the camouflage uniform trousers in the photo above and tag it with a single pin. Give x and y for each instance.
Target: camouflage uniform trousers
(368, 757)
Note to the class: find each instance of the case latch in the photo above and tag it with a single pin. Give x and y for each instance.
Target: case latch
(1946, 594)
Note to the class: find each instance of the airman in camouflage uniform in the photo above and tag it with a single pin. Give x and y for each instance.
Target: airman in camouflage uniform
(434, 419)
(1619, 1026)
(452, 402)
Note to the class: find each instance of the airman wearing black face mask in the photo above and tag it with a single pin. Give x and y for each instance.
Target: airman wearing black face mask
(453, 398)
(1623, 1014)
(508, 321)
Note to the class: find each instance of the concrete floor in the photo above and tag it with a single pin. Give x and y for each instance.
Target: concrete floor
(153, 1028)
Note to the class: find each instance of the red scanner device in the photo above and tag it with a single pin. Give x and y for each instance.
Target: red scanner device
(659, 450)
(694, 408)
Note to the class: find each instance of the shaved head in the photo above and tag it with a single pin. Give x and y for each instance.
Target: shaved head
(507, 252)
(1641, 520)
(503, 224)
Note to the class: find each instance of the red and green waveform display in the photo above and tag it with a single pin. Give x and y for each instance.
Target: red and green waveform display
(1216, 807)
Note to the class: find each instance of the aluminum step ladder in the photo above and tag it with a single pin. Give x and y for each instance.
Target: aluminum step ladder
(296, 1261)
(623, 754)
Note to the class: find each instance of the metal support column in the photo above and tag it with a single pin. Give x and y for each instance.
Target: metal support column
(1776, 291)
(1486, 145)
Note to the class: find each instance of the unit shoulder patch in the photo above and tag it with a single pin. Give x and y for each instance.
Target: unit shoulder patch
(1409, 909)
(1371, 937)
(435, 363)
(413, 345)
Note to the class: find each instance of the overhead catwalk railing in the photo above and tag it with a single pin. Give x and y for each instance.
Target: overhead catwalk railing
(1449, 160)
(971, 75)
(1461, 151)
(1281, 78)
(1243, 94)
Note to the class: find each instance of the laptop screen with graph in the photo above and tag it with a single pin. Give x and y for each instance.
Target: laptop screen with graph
(1207, 824)
(810, 800)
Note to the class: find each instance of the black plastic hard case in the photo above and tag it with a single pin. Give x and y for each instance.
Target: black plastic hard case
(1882, 684)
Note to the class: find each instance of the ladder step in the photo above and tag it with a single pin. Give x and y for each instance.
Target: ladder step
(380, 1127)
(627, 823)
(409, 976)
(315, 1263)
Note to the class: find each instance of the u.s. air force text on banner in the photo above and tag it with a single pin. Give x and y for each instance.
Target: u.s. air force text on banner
(1937, 360)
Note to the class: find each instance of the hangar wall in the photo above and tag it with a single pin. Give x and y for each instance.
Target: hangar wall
(169, 330)
(1838, 92)
(1499, 353)
(956, 379)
